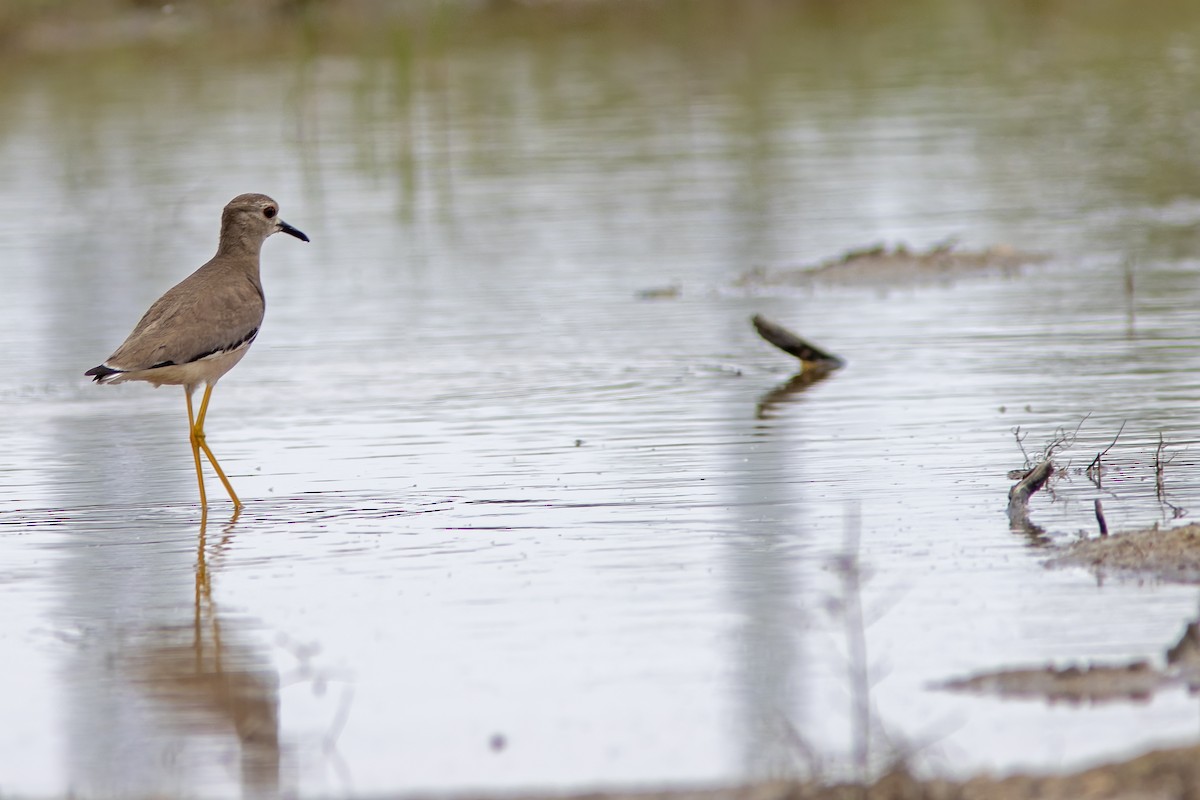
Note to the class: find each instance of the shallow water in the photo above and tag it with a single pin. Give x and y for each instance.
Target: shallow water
(510, 525)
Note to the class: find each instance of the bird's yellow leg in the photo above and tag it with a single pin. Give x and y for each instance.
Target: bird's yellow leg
(195, 443)
(198, 432)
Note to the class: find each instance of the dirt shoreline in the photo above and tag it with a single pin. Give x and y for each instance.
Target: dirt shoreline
(1167, 774)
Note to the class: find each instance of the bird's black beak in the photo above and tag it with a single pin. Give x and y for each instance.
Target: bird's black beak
(299, 234)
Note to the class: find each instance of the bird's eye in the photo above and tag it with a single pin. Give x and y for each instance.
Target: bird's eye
(269, 212)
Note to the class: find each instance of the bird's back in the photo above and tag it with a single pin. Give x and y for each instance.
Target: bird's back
(216, 309)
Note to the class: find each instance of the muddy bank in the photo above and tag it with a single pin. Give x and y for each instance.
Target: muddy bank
(1169, 554)
(1170, 774)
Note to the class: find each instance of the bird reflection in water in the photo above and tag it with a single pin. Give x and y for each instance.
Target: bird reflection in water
(211, 682)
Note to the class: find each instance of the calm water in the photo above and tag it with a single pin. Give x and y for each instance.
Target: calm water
(510, 526)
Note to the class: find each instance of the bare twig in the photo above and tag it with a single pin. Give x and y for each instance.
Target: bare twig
(1100, 518)
(1020, 435)
(1159, 465)
(1063, 440)
(1035, 476)
(807, 756)
(339, 718)
(850, 570)
(1095, 470)
(1160, 485)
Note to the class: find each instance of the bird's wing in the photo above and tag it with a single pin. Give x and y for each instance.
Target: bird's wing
(198, 318)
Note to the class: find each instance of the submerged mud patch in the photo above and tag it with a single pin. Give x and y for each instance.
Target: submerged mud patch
(1092, 683)
(879, 267)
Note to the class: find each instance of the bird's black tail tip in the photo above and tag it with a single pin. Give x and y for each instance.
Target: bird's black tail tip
(98, 374)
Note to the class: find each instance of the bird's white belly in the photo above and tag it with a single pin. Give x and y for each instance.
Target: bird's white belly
(205, 370)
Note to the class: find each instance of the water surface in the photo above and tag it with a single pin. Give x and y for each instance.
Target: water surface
(511, 525)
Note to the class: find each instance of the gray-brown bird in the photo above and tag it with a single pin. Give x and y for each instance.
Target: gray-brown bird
(202, 327)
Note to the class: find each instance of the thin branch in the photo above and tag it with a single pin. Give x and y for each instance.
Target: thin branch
(1159, 487)
(1094, 470)
(1063, 440)
(1020, 437)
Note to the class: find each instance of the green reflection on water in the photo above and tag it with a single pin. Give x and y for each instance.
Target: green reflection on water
(1100, 97)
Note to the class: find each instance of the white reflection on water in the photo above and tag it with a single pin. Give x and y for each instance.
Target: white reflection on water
(496, 494)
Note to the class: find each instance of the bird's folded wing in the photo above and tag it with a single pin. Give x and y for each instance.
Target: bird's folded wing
(185, 326)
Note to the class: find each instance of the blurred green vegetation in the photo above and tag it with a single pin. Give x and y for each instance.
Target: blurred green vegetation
(53, 26)
(1106, 86)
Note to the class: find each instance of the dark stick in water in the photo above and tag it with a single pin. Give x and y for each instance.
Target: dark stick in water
(792, 344)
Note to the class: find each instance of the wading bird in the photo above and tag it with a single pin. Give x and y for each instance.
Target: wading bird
(202, 327)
